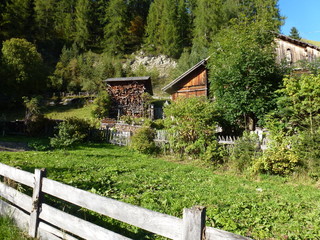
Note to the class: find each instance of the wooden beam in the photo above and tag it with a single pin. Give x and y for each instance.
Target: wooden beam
(36, 201)
(194, 223)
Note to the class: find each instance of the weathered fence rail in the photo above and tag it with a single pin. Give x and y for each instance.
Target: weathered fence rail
(46, 222)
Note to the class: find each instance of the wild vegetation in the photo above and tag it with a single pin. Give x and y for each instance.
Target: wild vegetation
(73, 45)
(260, 207)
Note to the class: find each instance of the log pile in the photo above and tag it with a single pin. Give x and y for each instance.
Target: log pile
(128, 99)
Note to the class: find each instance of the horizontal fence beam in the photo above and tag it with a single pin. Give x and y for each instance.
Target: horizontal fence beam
(162, 224)
(76, 225)
(17, 175)
(191, 226)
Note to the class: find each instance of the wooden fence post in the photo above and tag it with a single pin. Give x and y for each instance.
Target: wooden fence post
(36, 201)
(194, 223)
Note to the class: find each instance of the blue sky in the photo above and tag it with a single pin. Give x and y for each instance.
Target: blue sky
(302, 14)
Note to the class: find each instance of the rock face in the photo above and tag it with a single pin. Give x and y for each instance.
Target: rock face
(161, 63)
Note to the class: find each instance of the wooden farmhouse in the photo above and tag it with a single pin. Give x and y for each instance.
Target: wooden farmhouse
(128, 95)
(292, 51)
(193, 82)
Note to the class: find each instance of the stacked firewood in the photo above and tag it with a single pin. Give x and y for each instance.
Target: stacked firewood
(127, 98)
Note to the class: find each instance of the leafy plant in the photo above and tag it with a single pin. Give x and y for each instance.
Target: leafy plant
(71, 131)
(245, 150)
(191, 123)
(102, 105)
(142, 140)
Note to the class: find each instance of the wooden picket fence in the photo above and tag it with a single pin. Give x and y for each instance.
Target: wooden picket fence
(46, 222)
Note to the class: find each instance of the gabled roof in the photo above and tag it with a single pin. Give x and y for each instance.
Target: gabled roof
(171, 85)
(126, 80)
(297, 42)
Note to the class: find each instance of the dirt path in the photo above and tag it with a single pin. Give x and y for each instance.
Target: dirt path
(13, 146)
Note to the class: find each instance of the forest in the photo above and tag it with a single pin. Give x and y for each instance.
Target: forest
(51, 45)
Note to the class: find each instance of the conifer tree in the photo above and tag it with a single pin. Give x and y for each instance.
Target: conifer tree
(64, 20)
(17, 19)
(294, 33)
(115, 31)
(82, 23)
(44, 11)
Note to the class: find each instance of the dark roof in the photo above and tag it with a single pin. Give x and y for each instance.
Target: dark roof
(297, 42)
(169, 87)
(125, 79)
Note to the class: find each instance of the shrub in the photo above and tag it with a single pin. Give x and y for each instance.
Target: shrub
(244, 151)
(102, 105)
(71, 131)
(142, 140)
(278, 159)
(191, 124)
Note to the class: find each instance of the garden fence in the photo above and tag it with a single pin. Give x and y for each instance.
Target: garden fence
(41, 220)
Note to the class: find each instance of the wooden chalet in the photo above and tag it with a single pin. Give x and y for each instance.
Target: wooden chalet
(127, 95)
(193, 82)
(292, 50)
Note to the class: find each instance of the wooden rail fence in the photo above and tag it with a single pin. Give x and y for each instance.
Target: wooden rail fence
(41, 220)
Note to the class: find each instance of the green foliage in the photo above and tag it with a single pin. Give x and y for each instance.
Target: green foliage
(262, 208)
(102, 104)
(244, 76)
(9, 231)
(278, 159)
(82, 23)
(70, 132)
(115, 31)
(24, 67)
(299, 102)
(245, 150)
(192, 123)
(294, 33)
(167, 29)
(142, 140)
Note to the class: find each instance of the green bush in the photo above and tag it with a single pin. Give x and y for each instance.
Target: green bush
(71, 131)
(244, 151)
(307, 148)
(102, 105)
(278, 159)
(142, 141)
(191, 124)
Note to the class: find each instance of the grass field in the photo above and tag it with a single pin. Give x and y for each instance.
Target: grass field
(261, 207)
(8, 231)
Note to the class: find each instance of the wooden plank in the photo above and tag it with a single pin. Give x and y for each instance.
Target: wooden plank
(76, 225)
(162, 224)
(17, 175)
(16, 197)
(44, 235)
(48, 231)
(217, 234)
(194, 223)
(20, 218)
(36, 201)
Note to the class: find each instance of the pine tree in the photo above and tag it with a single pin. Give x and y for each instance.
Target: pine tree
(115, 31)
(82, 23)
(208, 21)
(153, 25)
(64, 20)
(44, 11)
(17, 19)
(294, 33)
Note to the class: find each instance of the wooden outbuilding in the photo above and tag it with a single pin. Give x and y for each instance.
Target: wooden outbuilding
(128, 95)
(292, 50)
(191, 83)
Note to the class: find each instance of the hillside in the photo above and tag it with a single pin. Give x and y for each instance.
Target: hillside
(316, 43)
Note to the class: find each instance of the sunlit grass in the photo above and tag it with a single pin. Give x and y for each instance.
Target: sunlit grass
(261, 207)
